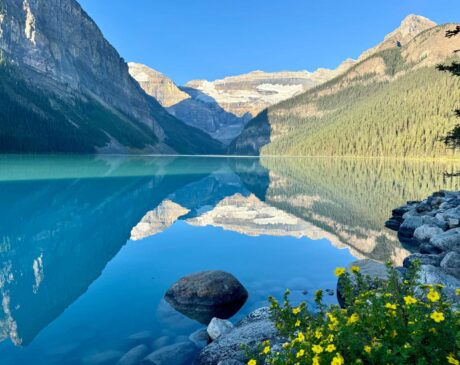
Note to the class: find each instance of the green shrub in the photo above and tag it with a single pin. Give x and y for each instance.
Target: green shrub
(384, 322)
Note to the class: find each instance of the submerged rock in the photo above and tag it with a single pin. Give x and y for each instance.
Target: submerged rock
(134, 356)
(178, 354)
(208, 294)
(200, 338)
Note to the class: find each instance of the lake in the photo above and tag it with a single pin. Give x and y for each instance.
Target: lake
(89, 245)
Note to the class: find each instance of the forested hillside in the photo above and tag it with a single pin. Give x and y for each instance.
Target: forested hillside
(394, 103)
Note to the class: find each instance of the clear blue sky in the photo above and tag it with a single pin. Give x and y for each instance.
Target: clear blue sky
(209, 39)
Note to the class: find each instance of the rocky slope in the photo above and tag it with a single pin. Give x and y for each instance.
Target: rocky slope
(189, 105)
(250, 93)
(64, 88)
(392, 95)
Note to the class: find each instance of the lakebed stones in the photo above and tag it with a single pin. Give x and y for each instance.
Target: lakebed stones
(251, 331)
(134, 356)
(208, 294)
(178, 354)
(218, 327)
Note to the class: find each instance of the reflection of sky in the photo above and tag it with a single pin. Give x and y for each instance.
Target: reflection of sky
(126, 298)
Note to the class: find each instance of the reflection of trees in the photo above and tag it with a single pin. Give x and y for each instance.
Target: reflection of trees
(352, 198)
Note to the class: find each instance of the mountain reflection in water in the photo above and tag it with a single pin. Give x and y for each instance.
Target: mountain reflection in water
(64, 218)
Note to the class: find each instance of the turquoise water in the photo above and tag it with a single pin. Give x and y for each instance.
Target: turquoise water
(89, 245)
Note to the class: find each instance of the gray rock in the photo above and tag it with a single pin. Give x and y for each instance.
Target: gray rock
(143, 337)
(134, 356)
(453, 223)
(432, 275)
(451, 264)
(433, 221)
(393, 224)
(218, 327)
(161, 342)
(230, 362)
(447, 241)
(251, 331)
(425, 232)
(200, 338)
(177, 354)
(409, 226)
(208, 294)
(428, 248)
(434, 260)
(103, 358)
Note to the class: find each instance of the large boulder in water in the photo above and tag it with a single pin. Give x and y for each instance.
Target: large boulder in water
(206, 295)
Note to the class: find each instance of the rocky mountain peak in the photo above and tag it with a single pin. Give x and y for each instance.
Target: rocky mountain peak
(410, 27)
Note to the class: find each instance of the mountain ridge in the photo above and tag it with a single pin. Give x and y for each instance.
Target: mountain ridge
(393, 94)
(64, 88)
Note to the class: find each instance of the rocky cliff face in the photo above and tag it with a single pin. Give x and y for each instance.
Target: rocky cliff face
(410, 27)
(154, 83)
(251, 93)
(190, 105)
(60, 54)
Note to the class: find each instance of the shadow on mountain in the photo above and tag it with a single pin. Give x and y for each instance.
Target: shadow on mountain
(58, 231)
(203, 112)
(255, 135)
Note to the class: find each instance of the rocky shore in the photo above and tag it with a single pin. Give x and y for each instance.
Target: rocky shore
(430, 229)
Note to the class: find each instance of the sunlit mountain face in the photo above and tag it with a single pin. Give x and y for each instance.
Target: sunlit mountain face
(89, 245)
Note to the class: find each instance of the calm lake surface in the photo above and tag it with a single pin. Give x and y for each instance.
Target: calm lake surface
(89, 245)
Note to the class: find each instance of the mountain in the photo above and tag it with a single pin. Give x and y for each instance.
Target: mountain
(190, 105)
(64, 88)
(250, 93)
(391, 102)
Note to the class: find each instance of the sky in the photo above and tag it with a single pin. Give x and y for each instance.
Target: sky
(211, 39)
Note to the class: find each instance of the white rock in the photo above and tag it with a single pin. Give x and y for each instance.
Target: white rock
(218, 327)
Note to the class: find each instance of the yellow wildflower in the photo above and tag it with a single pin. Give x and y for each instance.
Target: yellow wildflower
(266, 350)
(339, 271)
(296, 310)
(301, 337)
(433, 296)
(315, 360)
(317, 349)
(353, 319)
(331, 348)
(452, 360)
(457, 291)
(338, 360)
(252, 362)
(367, 349)
(300, 353)
(318, 334)
(297, 323)
(355, 269)
(390, 306)
(410, 300)
(437, 317)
